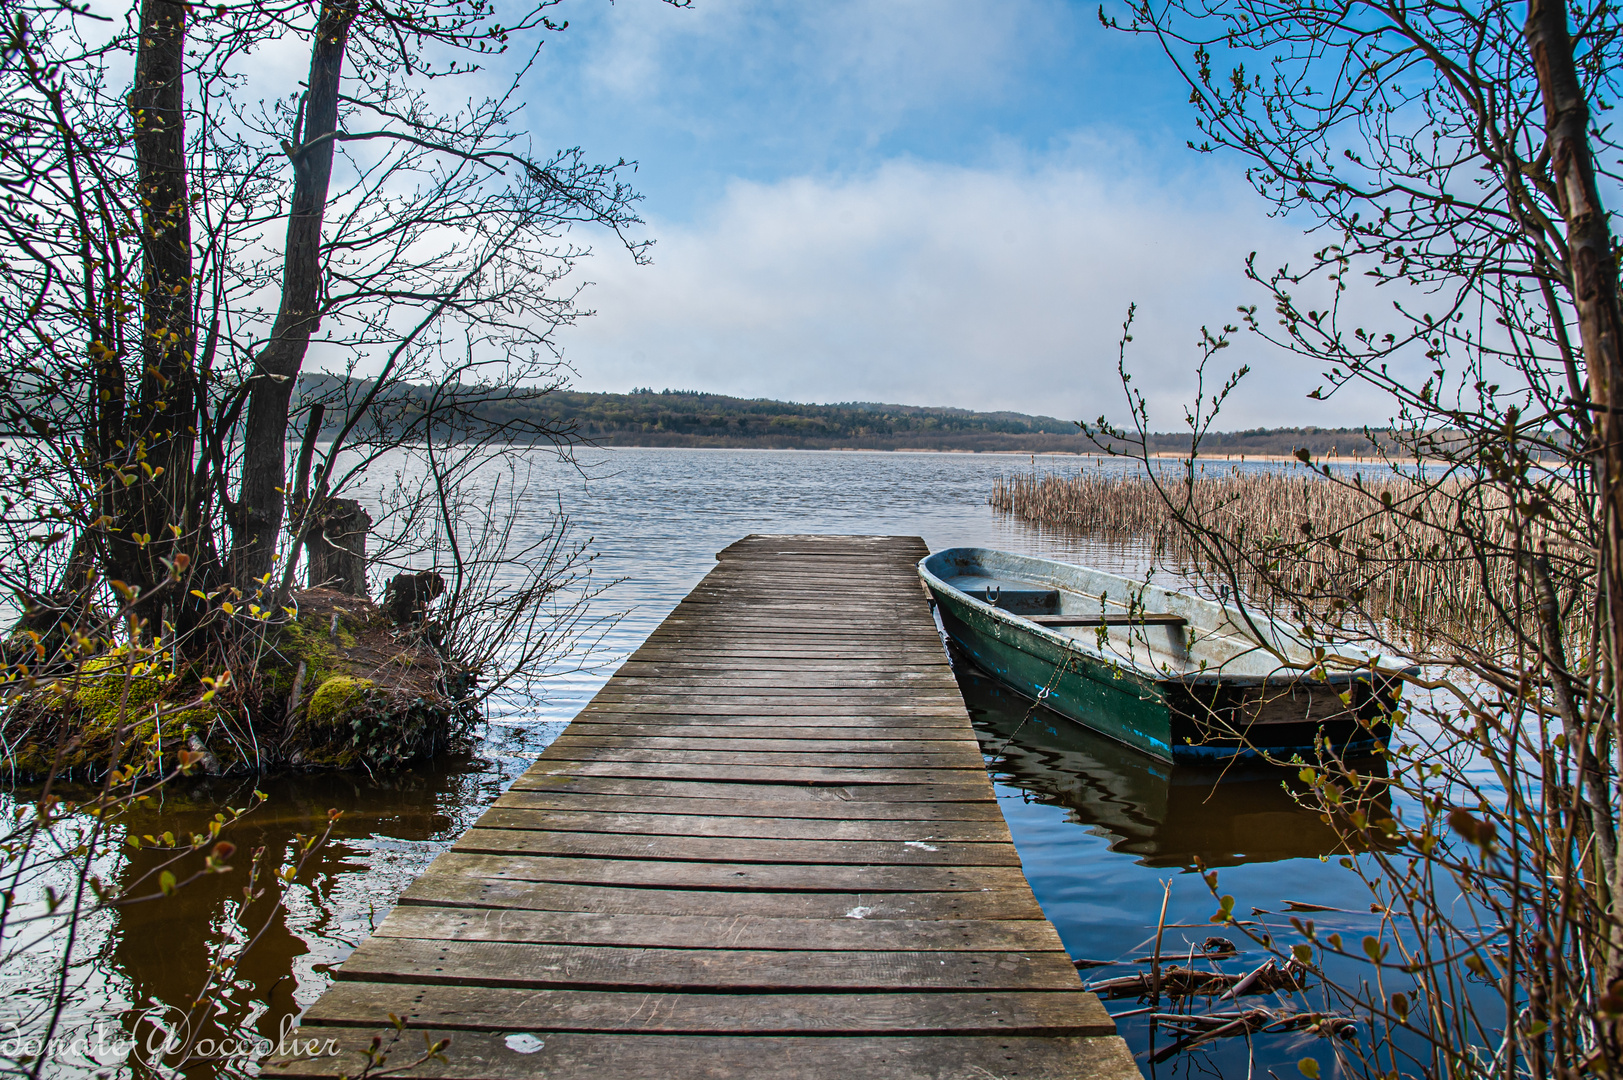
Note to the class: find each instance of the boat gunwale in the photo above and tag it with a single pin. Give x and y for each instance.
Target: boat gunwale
(1206, 678)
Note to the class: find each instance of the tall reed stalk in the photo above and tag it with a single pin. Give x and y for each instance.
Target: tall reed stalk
(1310, 541)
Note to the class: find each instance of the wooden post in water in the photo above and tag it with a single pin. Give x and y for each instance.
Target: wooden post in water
(335, 547)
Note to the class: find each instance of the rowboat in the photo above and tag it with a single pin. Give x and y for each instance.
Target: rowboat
(1161, 813)
(1169, 673)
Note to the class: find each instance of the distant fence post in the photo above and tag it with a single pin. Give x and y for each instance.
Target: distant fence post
(335, 547)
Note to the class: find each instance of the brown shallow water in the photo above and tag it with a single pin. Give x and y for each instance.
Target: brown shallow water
(1099, 827)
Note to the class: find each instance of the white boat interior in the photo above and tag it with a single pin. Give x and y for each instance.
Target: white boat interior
(1161, 632)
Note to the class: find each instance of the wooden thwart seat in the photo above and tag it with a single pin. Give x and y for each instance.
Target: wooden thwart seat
(1124, 619)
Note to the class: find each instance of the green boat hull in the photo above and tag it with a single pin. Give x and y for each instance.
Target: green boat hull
(1191, 719)
(1101, 696)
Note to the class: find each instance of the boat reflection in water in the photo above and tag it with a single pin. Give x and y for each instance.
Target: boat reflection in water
(1166, 815)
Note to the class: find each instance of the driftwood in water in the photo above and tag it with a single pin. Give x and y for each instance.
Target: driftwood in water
(1197, 1029)
(1184, 981)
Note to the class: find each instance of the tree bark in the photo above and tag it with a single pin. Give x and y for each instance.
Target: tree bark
(1592, 277)
(157, 435)
(276, 369)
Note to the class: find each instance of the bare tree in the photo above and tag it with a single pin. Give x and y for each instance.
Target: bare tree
(177, 239)
(1452, 161)
(175, 252)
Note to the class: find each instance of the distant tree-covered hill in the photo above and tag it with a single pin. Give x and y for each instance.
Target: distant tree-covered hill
(1272, 442)
(689, 418)
(692, 418)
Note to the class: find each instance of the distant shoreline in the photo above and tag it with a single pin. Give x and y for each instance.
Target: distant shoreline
(1272, 459)
(682, 418)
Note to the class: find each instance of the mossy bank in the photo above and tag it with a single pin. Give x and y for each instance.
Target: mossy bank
(339, 686)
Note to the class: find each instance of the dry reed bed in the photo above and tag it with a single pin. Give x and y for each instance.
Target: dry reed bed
(1394, 552)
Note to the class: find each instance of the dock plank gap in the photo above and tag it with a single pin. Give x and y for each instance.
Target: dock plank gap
(768, 847)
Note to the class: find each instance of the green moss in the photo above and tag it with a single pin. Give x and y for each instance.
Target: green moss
(381, 712)
(108, 693)
(334, 697)
(105, 695)
(303, 642)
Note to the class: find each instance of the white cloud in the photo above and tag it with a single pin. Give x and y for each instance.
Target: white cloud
(927, 284)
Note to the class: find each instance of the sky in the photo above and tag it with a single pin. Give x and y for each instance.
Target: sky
(929, 202)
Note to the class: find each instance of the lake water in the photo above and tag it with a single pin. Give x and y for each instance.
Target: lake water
(1100, 829)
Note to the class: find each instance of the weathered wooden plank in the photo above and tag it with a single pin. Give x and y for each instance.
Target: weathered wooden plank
(515, 815)
(589, 967)
(981, 813)
(817, 655)
(813, 758)
(747, 656)
(831, 752)
(886, 721)
(748, 602)
(610, 731)
(820, 684)
(933, 714)
(766, 575)
(726, 665)
(879, 692)
(763, 697)
(770, 774)
(827, 609)
(901, 792)
(834, 650)
(766, 693)
(830, 610)
(719, 632)
(755, 668)
(507, 1009)
(770, 877)
(455, 889)
(784, 591)
(886, 635)
(857, 593)
(478, 1055)
(728, 849)
(878, 642)
(848, 623)
(722, 628)
(883, 633)
(810, 724)
(831, 739)
(719, 931)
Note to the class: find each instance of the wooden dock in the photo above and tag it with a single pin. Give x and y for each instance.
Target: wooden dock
(767, 848)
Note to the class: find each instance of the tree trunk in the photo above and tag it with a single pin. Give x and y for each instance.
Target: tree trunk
(1593, 281)
(157, 435)
(276, 369)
